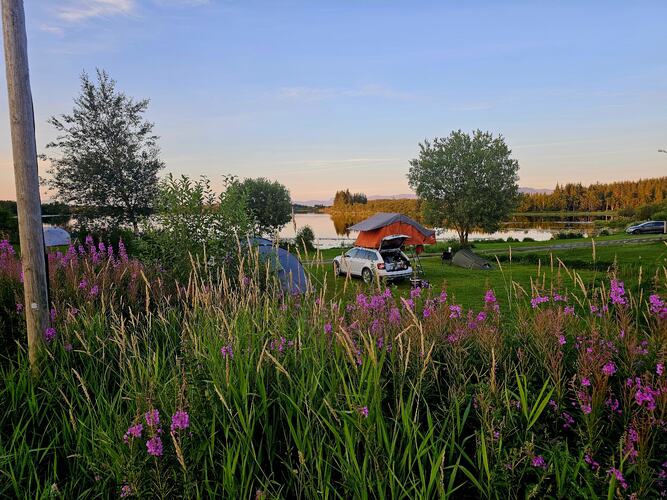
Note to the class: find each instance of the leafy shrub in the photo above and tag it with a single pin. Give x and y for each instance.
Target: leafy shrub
(305, 238)
(627, 212)
(528, 238)
(567, 235)
(659, 216)
(194, 224)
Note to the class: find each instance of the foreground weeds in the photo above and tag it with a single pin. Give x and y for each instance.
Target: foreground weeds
(238, 391)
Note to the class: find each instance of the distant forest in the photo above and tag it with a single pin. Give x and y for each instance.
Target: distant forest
(571, 197)
(597, 197)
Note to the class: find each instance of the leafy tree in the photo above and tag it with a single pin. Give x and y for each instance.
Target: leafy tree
(108, 156)
(466, 181)
(268, 203)
(347, 198)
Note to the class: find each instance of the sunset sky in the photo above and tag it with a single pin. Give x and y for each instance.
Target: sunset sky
(322, 95)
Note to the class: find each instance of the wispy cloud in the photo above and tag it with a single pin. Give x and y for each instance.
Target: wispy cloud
(82, 10)
(182, 3)
(52, 29)
(305, 93)
(336, 161)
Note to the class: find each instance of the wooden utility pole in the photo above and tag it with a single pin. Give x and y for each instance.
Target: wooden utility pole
(24, 150)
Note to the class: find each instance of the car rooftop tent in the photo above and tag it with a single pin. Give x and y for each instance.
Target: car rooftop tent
(374, 229)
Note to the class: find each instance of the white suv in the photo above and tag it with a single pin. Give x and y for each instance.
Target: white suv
(388, 261)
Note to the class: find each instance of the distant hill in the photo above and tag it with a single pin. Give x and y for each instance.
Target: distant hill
(408, 196)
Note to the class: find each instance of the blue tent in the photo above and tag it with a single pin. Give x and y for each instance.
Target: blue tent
(290, 272)
(56, 236)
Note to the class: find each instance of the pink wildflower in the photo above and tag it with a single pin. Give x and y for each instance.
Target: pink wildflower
(180, 420)
(609, 369)
(133, 432)
(49, 334)
(154, 446)
(152, 418)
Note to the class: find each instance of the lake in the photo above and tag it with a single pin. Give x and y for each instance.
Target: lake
(330, 233)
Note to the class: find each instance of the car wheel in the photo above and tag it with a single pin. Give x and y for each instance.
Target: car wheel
(367, 275)
(336, 268)
(636, 231)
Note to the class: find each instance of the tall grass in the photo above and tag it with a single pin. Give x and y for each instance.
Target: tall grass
(385, 397)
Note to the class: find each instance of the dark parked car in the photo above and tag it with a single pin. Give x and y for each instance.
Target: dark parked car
(650, 227)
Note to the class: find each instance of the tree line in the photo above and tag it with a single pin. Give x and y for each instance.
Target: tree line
(613, 196)
(345, 197)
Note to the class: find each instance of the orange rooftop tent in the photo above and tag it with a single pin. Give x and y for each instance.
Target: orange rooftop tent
(374, 229)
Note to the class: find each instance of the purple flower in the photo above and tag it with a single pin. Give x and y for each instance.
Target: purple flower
(180, 420)
(443, 297)
(619, 477)
(94, 291)
(152, 418)
(415, 292)
(394, 315)
(363, 411)
(536, 301)
(49, 334)
(538, 461)
(490, 297)
(481, 317)
(19, 307)
(409, 303)
(617, 293)
(328, 328)
(590, 461)
(122, 251)
(125, 491)
(609, 369)
(68, 347)
(226, 351)
(427, 312)
(561, 340)
(568, 310)
(585, 382)
(657, 306)
(133, 432)
(83, 284)
(154, 446)
(455, 311)
(660, 368)
(569, 420)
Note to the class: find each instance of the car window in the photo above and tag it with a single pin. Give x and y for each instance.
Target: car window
(368, 255)
(372, 255)
(352, 253)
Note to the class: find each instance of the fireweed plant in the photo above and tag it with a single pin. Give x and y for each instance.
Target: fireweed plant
(234, 389)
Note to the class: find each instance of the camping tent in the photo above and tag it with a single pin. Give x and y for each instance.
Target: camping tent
(467, 259)
(381, 225)
(56, 236)
(290, 272)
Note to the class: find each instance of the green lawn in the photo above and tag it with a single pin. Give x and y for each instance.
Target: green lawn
(468, 286)
(480, 246)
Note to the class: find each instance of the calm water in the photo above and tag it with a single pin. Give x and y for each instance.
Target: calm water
(330, 233)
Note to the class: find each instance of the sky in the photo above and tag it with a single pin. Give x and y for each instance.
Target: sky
(322, 95)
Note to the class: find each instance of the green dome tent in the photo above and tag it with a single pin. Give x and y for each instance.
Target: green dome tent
(467, 259)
